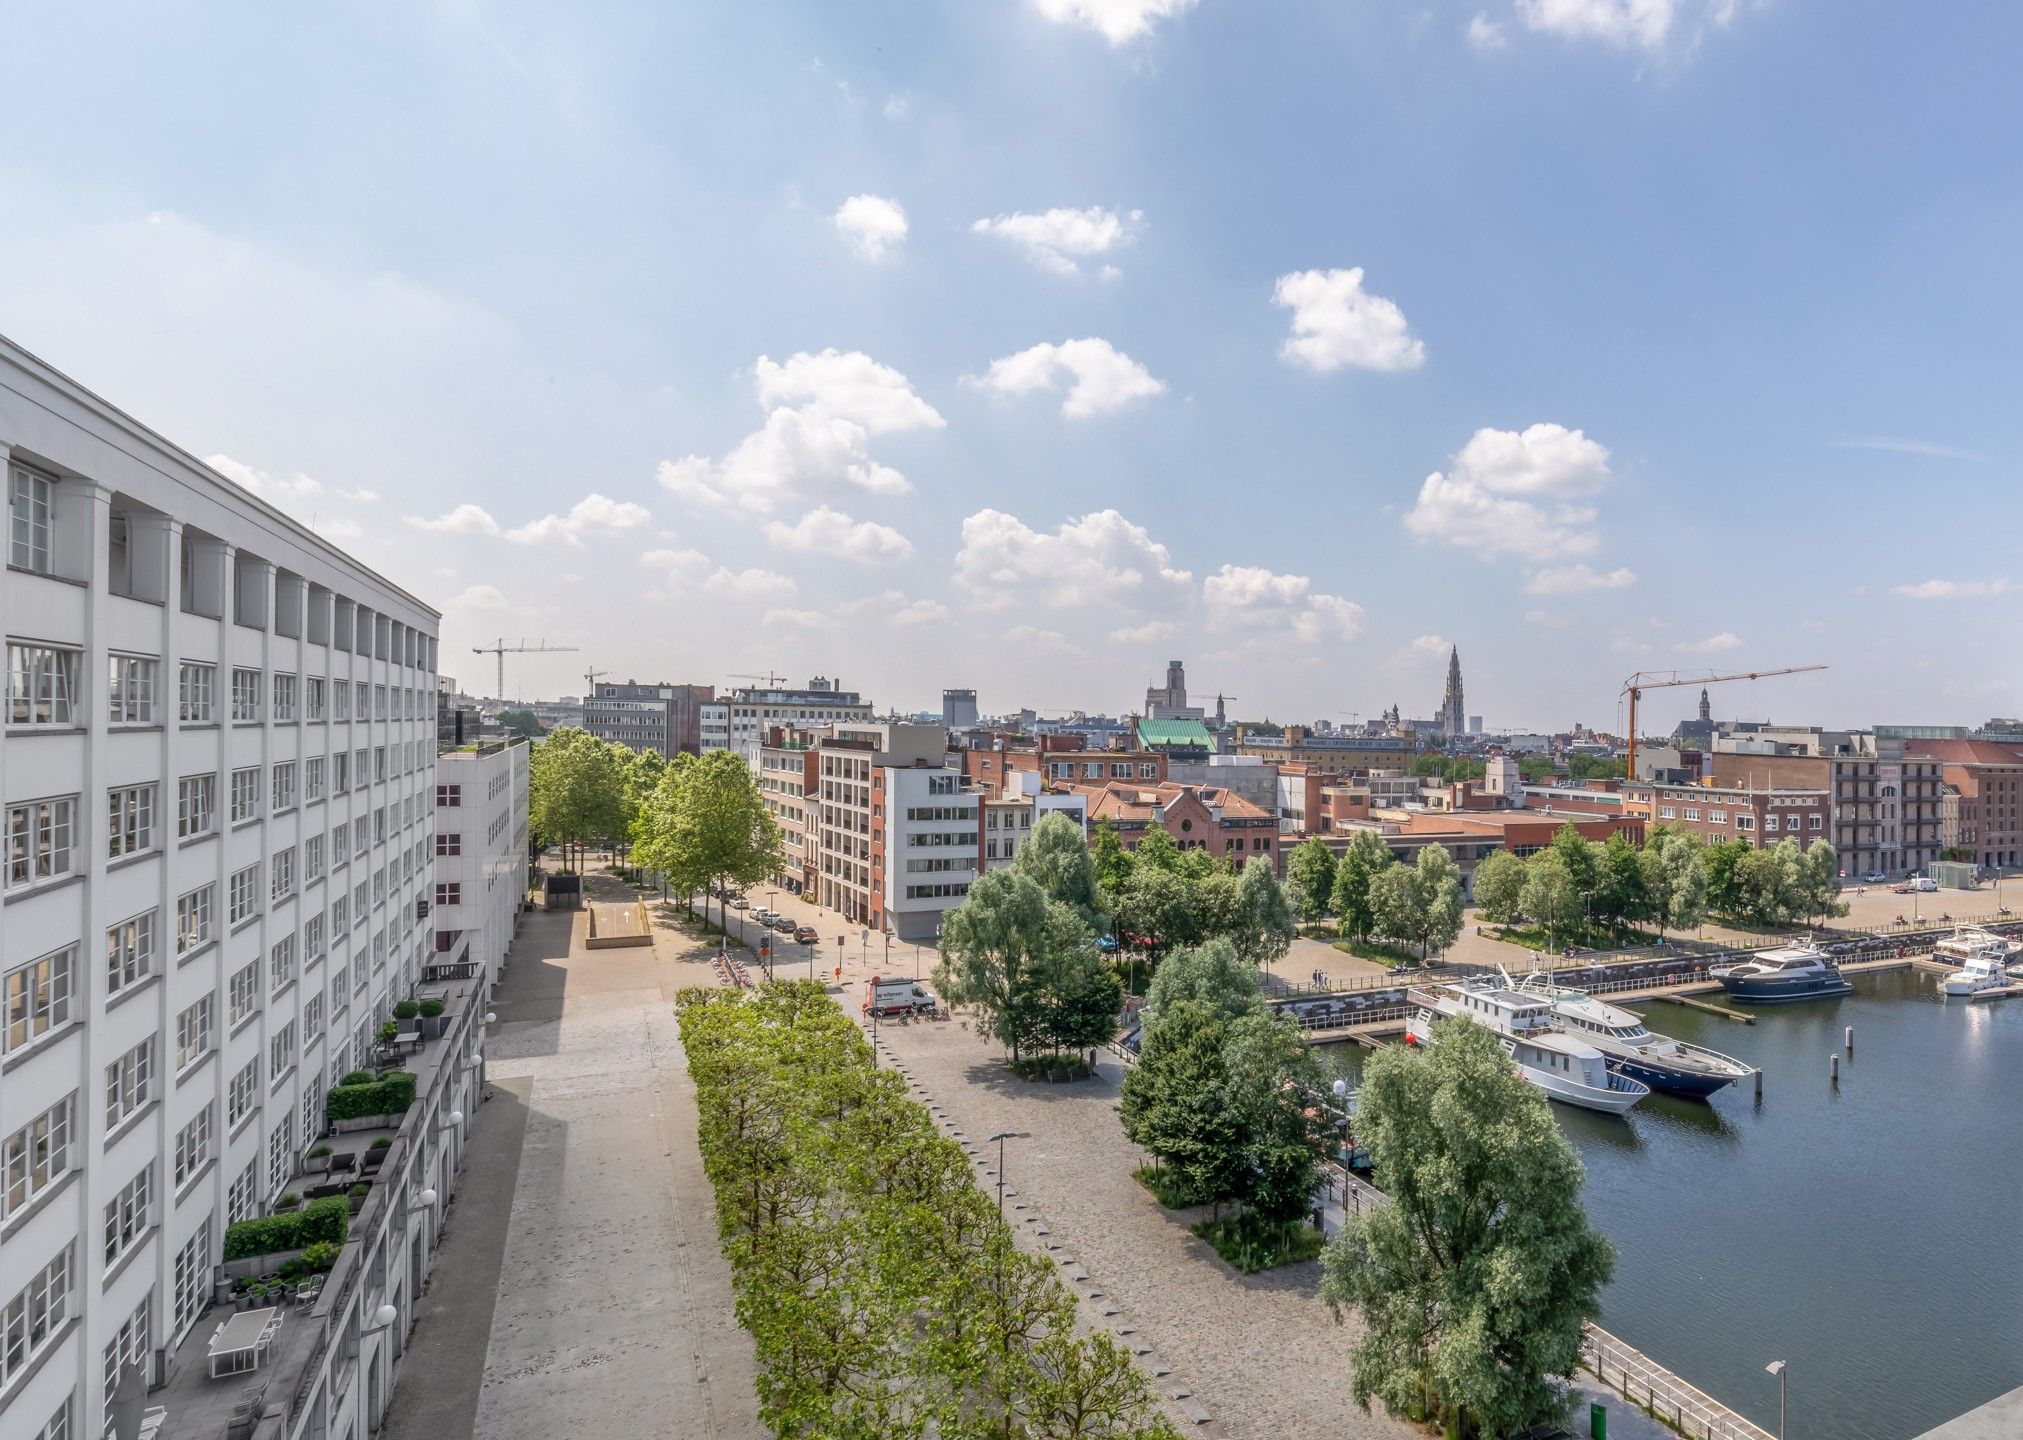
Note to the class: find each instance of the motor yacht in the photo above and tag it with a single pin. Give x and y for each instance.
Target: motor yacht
(1798, 971)
(1983, 959)
(1631, 1048)
(1565, 1067)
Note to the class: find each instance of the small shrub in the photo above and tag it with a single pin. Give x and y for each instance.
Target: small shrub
(359, 1191)
(1166, 1187)
(288, 1202)
(381, 1142)
(388, 1030)
(431, 1009)
(327, 1220)
(406, 1010)
(321, 1152)
(293, 1269)
(320, 1256)
(389, 1096)
(1252, 1243)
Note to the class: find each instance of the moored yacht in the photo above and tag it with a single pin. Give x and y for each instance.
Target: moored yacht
(1798, 971)
(1564, 1067)
(1983, 958)
(1631, 1048)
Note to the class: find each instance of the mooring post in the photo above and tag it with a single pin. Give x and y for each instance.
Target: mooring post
(1833, 1068)
(1850, 1039)
(1759, 1082)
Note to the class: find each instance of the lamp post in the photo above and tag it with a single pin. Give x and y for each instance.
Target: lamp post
(1000, 1138)
(1776, 1367)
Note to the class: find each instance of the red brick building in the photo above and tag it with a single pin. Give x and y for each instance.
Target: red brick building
(1754, 815)
(1988, 776)
(1198, 817)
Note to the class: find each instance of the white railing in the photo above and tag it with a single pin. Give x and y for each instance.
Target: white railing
(1643, 1382)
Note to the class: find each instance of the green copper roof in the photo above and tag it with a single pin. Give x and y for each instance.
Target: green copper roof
(1158, 734)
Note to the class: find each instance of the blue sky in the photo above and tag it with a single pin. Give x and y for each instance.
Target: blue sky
(600, 325)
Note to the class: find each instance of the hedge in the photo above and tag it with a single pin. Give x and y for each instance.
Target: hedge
(389, 1096)
(326, 1221)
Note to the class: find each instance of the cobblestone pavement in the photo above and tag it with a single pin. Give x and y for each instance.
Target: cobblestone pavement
(1259, 1354)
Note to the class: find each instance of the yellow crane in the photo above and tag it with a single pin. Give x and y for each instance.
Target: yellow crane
(1643, 680)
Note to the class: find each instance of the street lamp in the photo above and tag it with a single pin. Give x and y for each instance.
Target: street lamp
(1000, 1138)
(1776, 1367)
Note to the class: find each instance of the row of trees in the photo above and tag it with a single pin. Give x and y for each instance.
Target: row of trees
(1226, 1095)
(1161, 896)
(1372, 895)
(885, 1295)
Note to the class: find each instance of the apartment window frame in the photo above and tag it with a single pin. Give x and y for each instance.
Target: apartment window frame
(193, 1145)
(41, 841)
(285, 689)
(246, 794)
(243, 894)
(38, 999)
(196, 918)
(130, 952)
(127, 1217)
(248, 685)
(130, 820)
(130, 688)
(196, 693)
(42, 685)
(31, 520)
(129, 1084)
(32, 1318)
(196, 1032)
(36, 1157)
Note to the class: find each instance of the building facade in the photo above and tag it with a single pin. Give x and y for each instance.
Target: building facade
(219, 770)
(667, 718)
(1327, 754)
(480, 880)
(750, 711)
(1756, 816)
(1987, 808)
(785, 762)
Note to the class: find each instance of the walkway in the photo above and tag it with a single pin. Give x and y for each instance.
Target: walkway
(598, 1303)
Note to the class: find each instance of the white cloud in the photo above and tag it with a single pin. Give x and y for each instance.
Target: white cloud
(748, 584)
(1419, 652)
(830, 532)
(1624, 645)
(1486, 34)
(1896, 445)
(1713, 644)
(799, 619)
(1055, 239)
(1952, 589)
(1152, 632)
(689, 563)
(337, 531)
(1105, 378)
(1100, 558)
(874, 225)
(466, 519)
(816, 438)
(1578, 580)
(1628, 24)
(593, 515)
(1117, 21)
(481, 597)
(1044, 641)
(1491, 500)
(1335, 322)
(281, 489)
(897, 107)
(1253, 598)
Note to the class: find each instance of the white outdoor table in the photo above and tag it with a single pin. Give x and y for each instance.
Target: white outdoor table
(239, 1343)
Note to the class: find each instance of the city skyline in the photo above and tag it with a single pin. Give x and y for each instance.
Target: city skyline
(1027, 345)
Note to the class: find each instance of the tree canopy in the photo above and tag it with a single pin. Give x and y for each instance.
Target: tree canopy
(1366, 857)
(1310, 878)
(1055, 856)
(576, 789)
(704, 820)
(1473, 1283)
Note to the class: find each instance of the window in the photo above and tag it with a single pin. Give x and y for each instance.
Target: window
(1770, 822)
(449, 843)
(129, 1083)
(245, 794)
(126, 1218)
(312, 859)
(196, 694)
(1813, 821)
(243, 992)
(358, 700)
(193, 1277)
(196, 805)
(129, 952)
(281, 1059)
(340, 773)
(281, 1153)
(449, 794)
(243, 1093)
(312, 1018)
(340, 915)
(130, 690)
(281, 963)
(312, 939)
(358, 768)
(284, 697)
(1717, 817)
(452, 892)
(379, 764)
(312, 697)
(28, 515)
(245, 694)
(39, 835)
(131, 815)
(37, 998)
(340, 700)
(41, 685)
(245, 900)
(379, 701)
(128, 1347)
(193, 1032)
(312, 778)
(193, 1145)
(35, 1157)
(57, 1427)
(284, 785)
(193, 920)
(34, 1315)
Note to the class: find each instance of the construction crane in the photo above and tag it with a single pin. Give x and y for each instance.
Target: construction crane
(1643, 680)
(766, 679)
(590, 679)
(502, 650)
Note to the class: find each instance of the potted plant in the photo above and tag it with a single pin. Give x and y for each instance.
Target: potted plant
(380, 1142)
(319, 1159)
(357, 1195)
(388, 1031)
(406, 1010)
(288, 1202)
(320, 1256)
(431, 1011)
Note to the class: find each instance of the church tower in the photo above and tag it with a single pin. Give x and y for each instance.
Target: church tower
(1453, 720)
(1706, 710)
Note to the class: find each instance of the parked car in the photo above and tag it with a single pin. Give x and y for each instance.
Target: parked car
(1874, 877)
(1106, 943)
(782, 924)
(896, 997)
(805, 934)
(1924, 884)
(740, 903)
(763, 915)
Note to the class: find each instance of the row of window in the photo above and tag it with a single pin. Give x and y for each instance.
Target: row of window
(43, 690)
(1744, 820)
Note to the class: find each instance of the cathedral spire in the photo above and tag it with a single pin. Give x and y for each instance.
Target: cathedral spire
(1452, 720)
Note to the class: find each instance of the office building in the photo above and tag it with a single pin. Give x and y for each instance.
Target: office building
(667, 718)
(750, 711)
(480, 878)
(219, 771)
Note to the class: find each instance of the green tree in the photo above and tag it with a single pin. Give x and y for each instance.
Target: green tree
(1366, 857)
(1723, 863)
(1076, 993)
(707, 822)
(1175, 1104)
(1473, 1284)
(1677, 881)
(1549, 895)
(1621, 896)
(988, 945)
(520, 722)
(1819, 882)
(1158, 851)
(1273, 1081)
(1262, 927)
(1055, 856)
(1111, 860)
(1582, 859)
(575, 791)
(1594, 767)
(1499, 887)
(1310, 877)
(1157, 907)
(1419, 904)
(1212, 974)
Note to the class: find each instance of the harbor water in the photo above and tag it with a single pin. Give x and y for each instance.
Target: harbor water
(1865, 1233)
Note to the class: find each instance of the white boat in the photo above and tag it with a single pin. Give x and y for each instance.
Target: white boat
(1983, 959)
(1563, 1066)
(1630, 1046)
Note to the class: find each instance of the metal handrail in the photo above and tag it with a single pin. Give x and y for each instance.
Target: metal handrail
(1692, 1412)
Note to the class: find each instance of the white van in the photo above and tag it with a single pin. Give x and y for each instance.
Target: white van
(897, 997)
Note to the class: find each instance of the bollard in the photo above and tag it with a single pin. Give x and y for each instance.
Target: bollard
(1833, 1068)
(1850, 1039)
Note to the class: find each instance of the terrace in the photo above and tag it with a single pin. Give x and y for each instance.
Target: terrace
(273, 1396)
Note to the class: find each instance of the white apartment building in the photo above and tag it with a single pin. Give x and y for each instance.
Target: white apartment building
(218, 769)
(844, 817)
(782, 779)
(1008, 819)
(927, 847)
(749, 712)
(481, 858)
